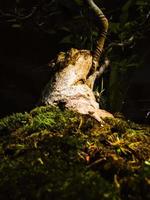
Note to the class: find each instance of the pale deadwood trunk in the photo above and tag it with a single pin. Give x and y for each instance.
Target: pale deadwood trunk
(74, 73)
(68, 85)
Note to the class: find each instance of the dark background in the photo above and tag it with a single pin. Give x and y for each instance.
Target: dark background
(26, 49)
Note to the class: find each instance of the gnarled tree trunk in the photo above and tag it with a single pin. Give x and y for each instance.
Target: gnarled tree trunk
(74, 73)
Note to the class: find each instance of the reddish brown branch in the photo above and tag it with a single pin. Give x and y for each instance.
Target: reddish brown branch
(102, 35)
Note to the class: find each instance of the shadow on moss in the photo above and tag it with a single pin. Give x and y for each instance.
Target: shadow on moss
(54, 154)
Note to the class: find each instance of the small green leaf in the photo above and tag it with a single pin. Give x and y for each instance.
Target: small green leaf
(79, 2)
(16, 25)
(66, 39)
(147, 162)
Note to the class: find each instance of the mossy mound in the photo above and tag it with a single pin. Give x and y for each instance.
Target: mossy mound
(57, 154)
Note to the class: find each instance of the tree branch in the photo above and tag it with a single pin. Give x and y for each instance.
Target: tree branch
(102, 35)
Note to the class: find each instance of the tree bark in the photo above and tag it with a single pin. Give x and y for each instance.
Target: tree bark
(102, 35)
(72, 80)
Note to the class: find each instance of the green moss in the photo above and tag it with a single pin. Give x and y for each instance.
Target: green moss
(13, 122)
(54, 154)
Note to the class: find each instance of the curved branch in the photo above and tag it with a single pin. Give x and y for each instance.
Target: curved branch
(102, 35)
(33, 11)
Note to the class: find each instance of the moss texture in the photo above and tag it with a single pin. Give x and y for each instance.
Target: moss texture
(57, 154)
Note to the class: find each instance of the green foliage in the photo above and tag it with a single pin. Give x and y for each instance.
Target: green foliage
(129, 30)
(54, 154)
(74, 25)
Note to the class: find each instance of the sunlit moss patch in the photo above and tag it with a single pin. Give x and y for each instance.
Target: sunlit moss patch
(54, 154)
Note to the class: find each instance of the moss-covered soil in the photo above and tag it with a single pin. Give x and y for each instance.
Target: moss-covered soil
(56, 154)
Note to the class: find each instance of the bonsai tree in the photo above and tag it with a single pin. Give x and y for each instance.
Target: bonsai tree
(74, 73)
